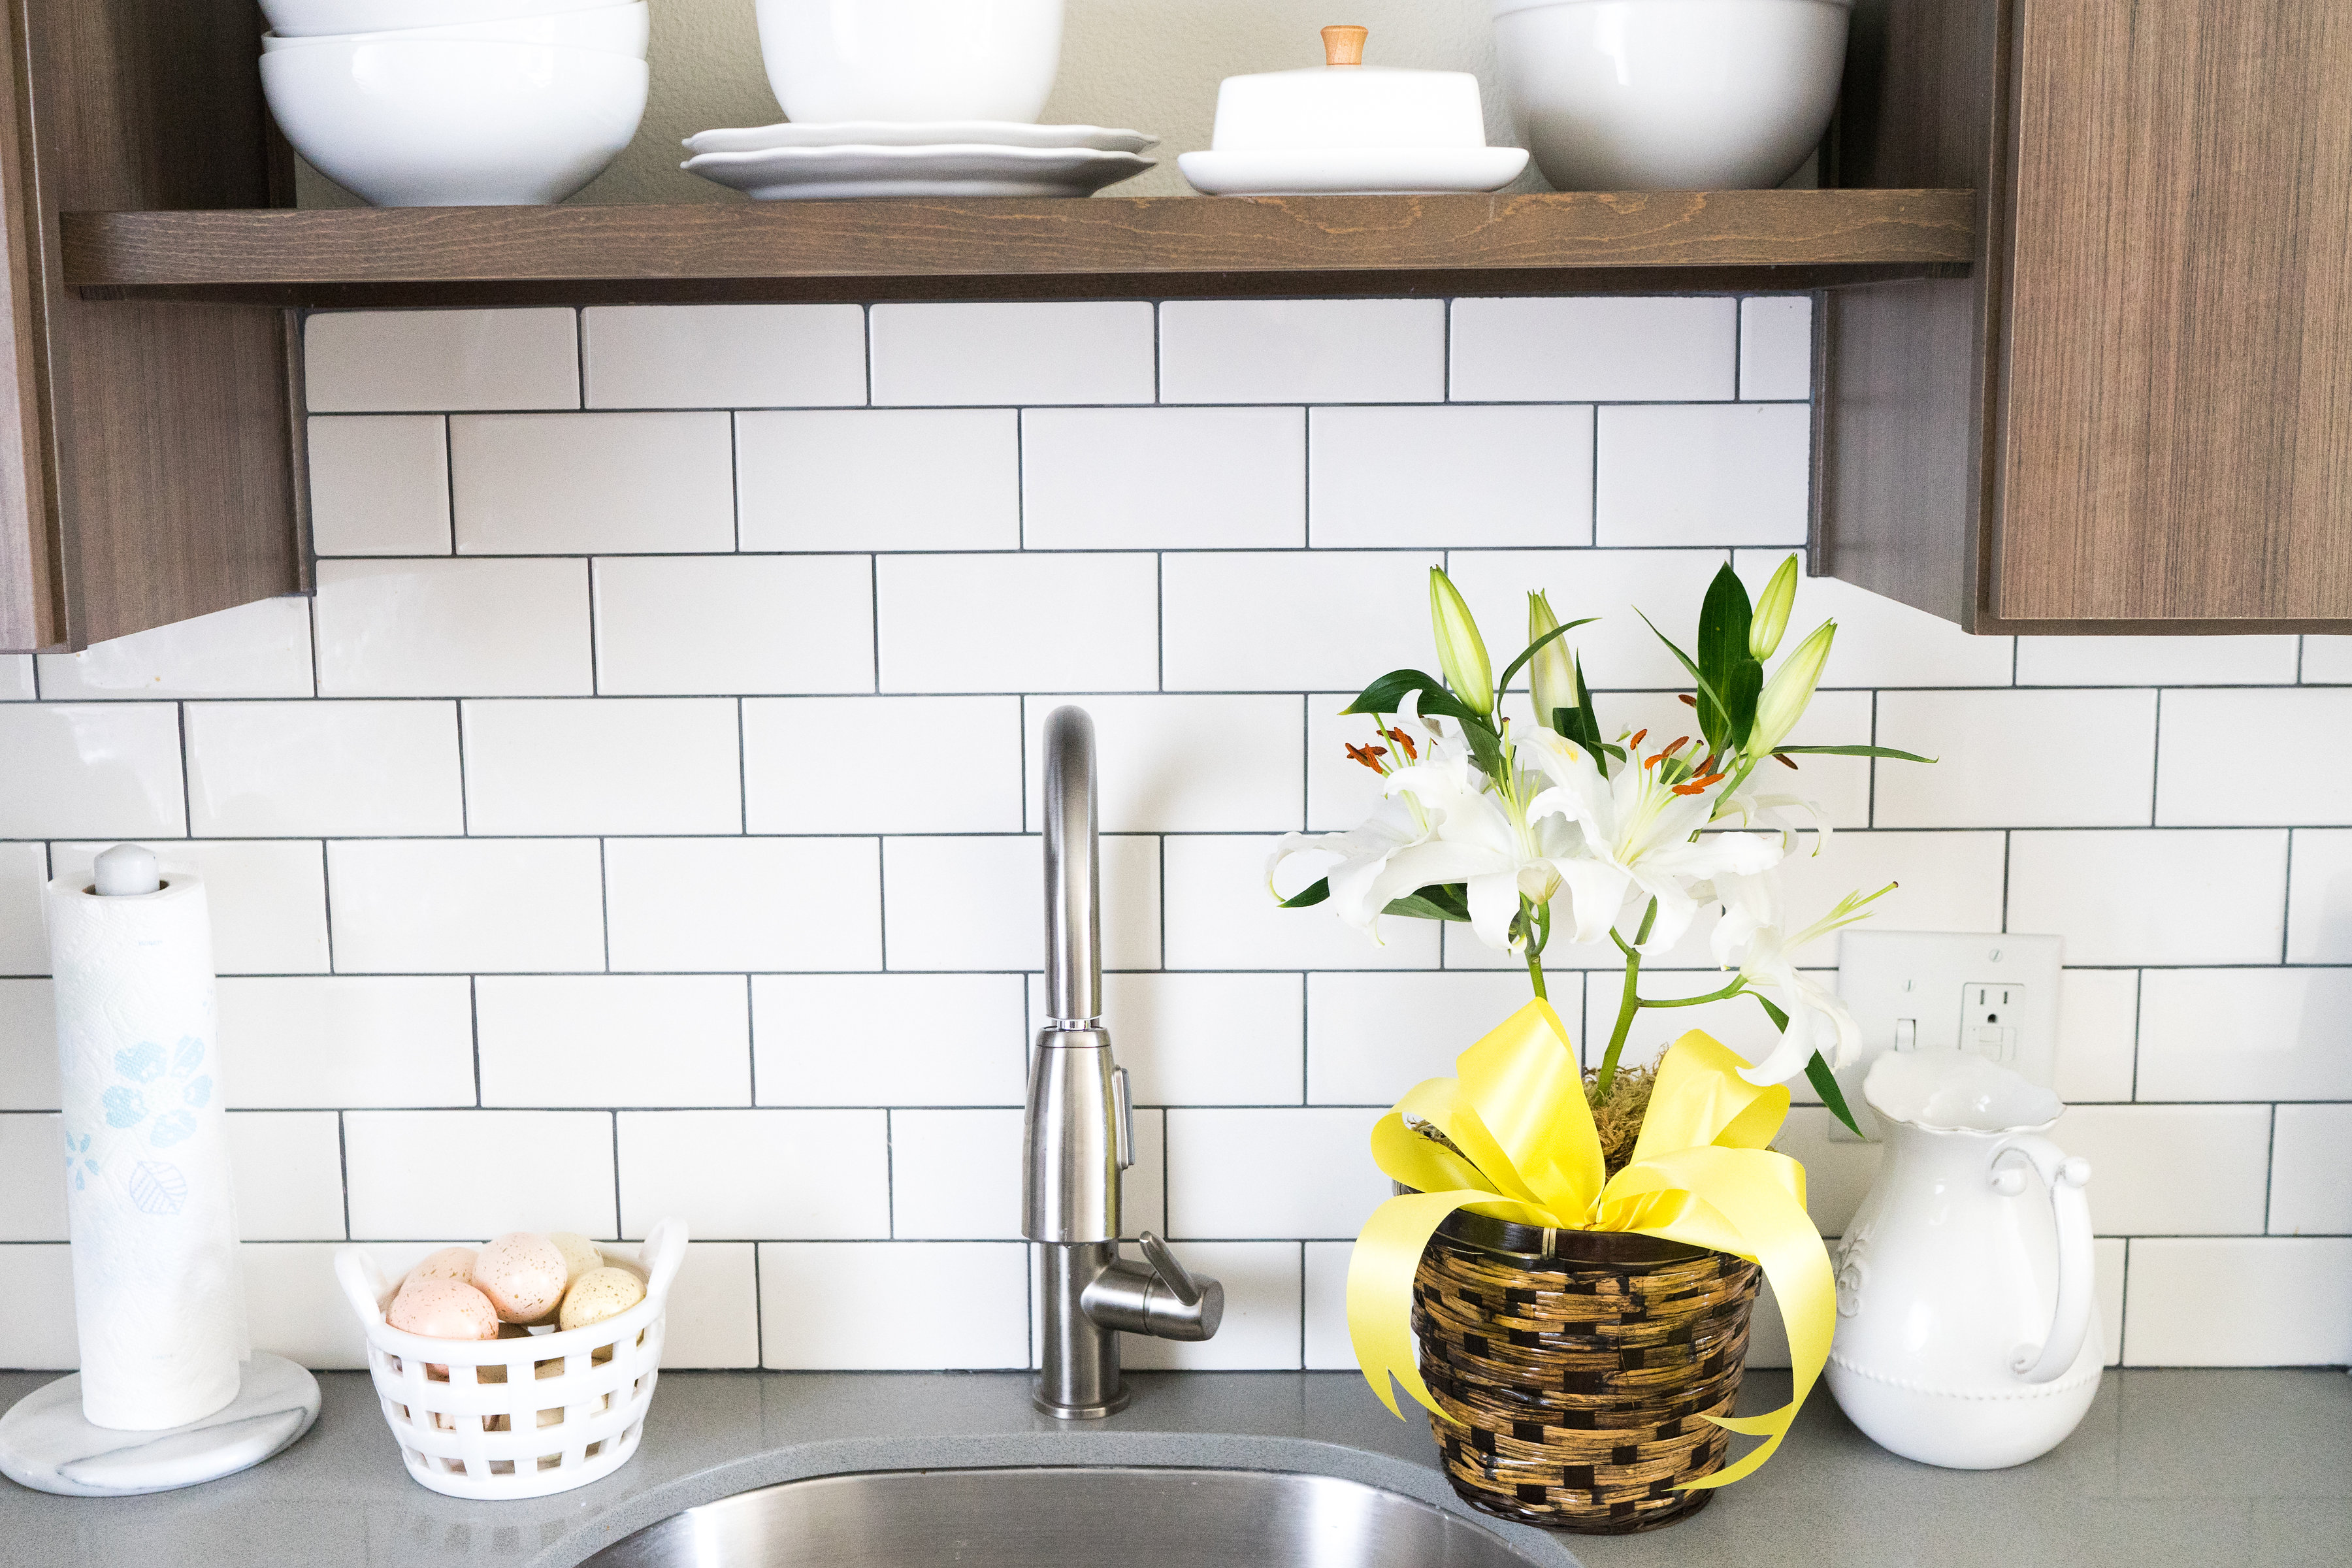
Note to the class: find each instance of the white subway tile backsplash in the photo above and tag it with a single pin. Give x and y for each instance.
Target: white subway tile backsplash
(727, 625)
(549, 1041)
(32, 1179)
(1776, 347)
(977, 902)
(394, 360)
(380, 484)
(1880, 642)
(453, 628)
(739, 904)
(291, 1041)
(16, 678)
(1182, 764)
(1993, 752)
(1261, 1326)
(1737, 1022)
(1838, 1174)
(1239, 481)
(1672, 474)
(1247, 1175)
(2291, 1302)
(2155, 661)
(579, 484)
(713, 1318)
(2311, 1181)
(91, 769)
(1291, 620)
(1594, 350)
(1370, 1037)
(281, 769)
(1221, 914)
(2202, 778)
(2326, 662)
(268, 898)
(1013, 623)
(835, 1305)
(1443, 476)
(2319, 898)
(2172, 1170)
(1326, 1345)
(614, 765)
(1619, 652)
(946, 355)
(883, 478)
(2098, 1034)
(888, 1039)
(1201, 1039)
(1302, 350)
(814, 1175)
(787, 792)
(24, 930)
(413, 1175)
(723, 356)
(2154, 895)
(2244, 1033)
(36, 1318)
(28, 1046)
(288, 1170)
(466, 905)
(955, 1175)
(261, 649)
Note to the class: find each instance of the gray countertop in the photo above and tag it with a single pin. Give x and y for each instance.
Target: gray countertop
(2243, 1468)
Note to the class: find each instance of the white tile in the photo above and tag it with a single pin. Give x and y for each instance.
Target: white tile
(1880, 642)
(1837, 1174)
(395, 360)
(743, 903)
(713, 1318)
(2098, 1034)
(1086, 351)
(1173, 763)
(615, 764)
(2154, 895)
(723, 356)
(24, 933)
(2107, 1270)
(1221, 914)
(1994, 752)
(2172, 1170)
(1201, 1039)
(1594, 350)
(416, 1175)
(2326, 662)
(2291, 1303)
(1327, 1346)
(2311, 1182)
(1619, 653)
(785, 794)
(1442, 476)
(1735, 474)
(885, 479)
(1340, 791)
(2201, 781)
(305, 1040)
(955, 1175)
(1252, 1174)
(734, 624)
(2244, 1033)
(477, 906)
(1737, 1022)
(88, 769)
(738, 1175)
(978, 904)
(261, 649)
(281, 769)
(1776, 347)
(380, 484)
(844, 1306)
(1370, 1037)
(979, 623)
(268, 898)
(28, 1046)
(294, 1307)
(1947, 882)
(942, 1039)
(15, 678)
(2155, 661)
(1323, 620)
(615, 1040)
(288, 1170)
(453, 628)
(1237, 479)
(572, 484)
(1143, 1189)
(32, 1184)
(2319, 898)
(37, 1315)
(1302, 350)
(1260, 1331)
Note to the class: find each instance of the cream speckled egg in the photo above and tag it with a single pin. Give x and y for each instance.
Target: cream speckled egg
(579, 1254)
(599, 1294)
(523, 1275)
(442, 1310)
(449, 1263)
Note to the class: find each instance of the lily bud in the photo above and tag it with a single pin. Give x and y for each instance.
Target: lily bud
(1551, 673)
(1786, 696)
(1461, 651)
(1771, 617)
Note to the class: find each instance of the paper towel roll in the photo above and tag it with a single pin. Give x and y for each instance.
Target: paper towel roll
(158, 1300)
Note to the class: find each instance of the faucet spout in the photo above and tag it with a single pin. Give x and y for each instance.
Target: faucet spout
(1073, 876)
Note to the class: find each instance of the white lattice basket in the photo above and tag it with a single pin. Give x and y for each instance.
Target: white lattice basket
(525, 1416)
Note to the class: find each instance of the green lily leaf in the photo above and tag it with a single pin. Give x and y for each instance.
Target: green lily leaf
(1528, 652)
(1854, 752)
(1724, 659)
(1825, 1084)
(1439, 902)
(1387, 694)
(1706, 689)
(1307, 897)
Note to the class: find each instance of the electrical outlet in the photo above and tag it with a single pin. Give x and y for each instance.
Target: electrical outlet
(1995, 994)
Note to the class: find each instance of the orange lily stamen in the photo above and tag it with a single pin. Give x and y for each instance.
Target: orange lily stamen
(1404, 742)
(1702, 782)
(1785, 760)
(1370, 757)
(1635, 743)
(1686, 698)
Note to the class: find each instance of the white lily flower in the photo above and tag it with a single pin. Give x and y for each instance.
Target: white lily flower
(1787, 814)
(1382, 858)
(1752, 938)
(1484, 843)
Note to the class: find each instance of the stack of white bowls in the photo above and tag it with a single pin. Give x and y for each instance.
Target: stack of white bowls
(410, 103)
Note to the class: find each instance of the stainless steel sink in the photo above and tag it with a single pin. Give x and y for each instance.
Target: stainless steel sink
(1064, 1518)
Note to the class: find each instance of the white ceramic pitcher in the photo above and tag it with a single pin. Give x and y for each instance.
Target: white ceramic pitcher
(1967, 1333)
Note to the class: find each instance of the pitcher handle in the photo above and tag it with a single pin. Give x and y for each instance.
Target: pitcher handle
(2066, 1176)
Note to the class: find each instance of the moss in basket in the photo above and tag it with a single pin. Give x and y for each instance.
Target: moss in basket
(1617, 1114)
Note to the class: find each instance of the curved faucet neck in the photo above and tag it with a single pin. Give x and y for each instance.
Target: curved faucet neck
(1073, 886)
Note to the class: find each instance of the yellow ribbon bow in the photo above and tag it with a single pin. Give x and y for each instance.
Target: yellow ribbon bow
(1700, 1174)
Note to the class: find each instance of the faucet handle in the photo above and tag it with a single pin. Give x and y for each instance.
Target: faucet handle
(1172, 1273)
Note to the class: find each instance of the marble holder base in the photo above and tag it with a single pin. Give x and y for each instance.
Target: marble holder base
(46, 1445)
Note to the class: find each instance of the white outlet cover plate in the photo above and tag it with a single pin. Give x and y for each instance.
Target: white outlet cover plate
(1887, 976)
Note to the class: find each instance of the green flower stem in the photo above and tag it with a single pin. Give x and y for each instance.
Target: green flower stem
(1630, 1005)
(1725, 995)
(1537, 927)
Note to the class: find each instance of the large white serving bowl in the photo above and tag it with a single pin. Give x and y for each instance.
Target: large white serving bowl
(306, 18)
(1671, 95)
(621, 30)
(455, 125)
(911, 59)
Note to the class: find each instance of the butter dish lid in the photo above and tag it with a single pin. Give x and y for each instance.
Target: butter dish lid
(1345, 103)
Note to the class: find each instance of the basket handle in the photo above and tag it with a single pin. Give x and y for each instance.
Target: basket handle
(663, 1252)
(361, 1281)
(2066, 1177)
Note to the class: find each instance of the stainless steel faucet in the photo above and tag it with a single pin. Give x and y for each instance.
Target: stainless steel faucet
(1081, 1129)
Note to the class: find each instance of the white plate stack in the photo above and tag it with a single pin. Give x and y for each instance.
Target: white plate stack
(942, 158)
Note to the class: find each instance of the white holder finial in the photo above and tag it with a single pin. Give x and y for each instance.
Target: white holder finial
(126, 870)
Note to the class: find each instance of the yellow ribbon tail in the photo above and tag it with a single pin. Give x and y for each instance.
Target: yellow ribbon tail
(1380, 1285)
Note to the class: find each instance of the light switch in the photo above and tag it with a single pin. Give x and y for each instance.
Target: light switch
(1994, 993)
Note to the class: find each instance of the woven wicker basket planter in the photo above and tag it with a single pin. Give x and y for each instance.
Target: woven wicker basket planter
(1580, 1366)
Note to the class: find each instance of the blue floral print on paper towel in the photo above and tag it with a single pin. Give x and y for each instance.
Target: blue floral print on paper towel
(173, 1091)
(79, 1163)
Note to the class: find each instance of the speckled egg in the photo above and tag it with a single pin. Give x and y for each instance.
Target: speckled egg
(579, 1254)
(442, 1310)
(523, 1273)
(599, 1294)
(449, 1263)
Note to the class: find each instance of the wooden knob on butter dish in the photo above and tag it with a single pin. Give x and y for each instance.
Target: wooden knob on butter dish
(1344, 46)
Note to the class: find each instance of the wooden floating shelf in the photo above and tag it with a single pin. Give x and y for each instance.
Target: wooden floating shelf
(1156, 247)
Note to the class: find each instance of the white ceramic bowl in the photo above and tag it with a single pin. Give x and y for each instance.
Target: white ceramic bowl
(455, 125)
(911, 59)
(1671, 95)
(304, 19)
(620, 30)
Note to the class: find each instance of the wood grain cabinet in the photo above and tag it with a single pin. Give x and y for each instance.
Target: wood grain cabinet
(2135, 413)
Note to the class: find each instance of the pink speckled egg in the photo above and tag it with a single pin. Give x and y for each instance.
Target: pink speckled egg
(449, 1263)
(442, 1310)
(523, 1274)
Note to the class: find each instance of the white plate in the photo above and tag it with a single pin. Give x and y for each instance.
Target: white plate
(1364, 171)
(780, 174)
(936, 134)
